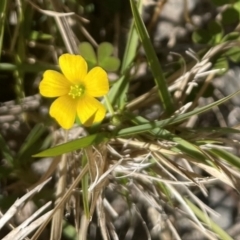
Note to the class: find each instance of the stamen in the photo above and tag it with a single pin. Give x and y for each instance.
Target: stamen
(76, 91)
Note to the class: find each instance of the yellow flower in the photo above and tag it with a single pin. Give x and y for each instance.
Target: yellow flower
(76, 90)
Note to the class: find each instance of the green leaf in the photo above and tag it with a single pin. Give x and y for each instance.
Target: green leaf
(110, 64)
(118, 93)
(88, 53)
(201, 36)
(231, 37)
(216, 31)
(236, 5)
(230, 16)
(74, 145)
(105, 60)
(104, 50)
(221, 63)
(233, 54)
(188, 148)
(212, 35)
(153, 62)
(227, 156)
(209, 222)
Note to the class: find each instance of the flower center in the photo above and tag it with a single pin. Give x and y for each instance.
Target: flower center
(76, 91)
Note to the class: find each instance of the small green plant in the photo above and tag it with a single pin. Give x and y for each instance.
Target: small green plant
(103, 58)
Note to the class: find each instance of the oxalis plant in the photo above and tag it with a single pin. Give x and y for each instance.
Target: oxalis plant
(102, 145)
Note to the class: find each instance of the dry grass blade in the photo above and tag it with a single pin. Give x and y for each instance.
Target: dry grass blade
(57, 221)
(61, 202)
(26, 227)
(147, 146)
(185, 206)
(112, 231)
(102, 218)
(209, 235)
(218, 173)
(109, 209)
(173, 230)
(50, 13)
(19, 202)
(66, 31)
(37, 213)
(176, 168)
(97, 165)
(82, 235)
(49, 172)
(103, 177)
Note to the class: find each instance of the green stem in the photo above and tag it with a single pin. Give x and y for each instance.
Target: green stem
(115, 119)
(109, 105)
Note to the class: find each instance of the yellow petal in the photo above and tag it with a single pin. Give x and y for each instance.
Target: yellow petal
(74, 67)
(96, 82)
(90, 110)
(54, 84)
(63, 109)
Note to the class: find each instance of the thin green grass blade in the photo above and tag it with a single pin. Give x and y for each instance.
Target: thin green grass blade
(188, 148)
(153, 62)
(85, 186)
(6, 152)
(173, 120)
(19, 50)
(182, 146)
(227, 156)
(74, 145)
(163, 188)
(185, 206)
(132, 44)
(30, 68)
(100, 137)
(117, 95)
(118, 92)
(3, 8)
(31, 140)
(208, 221)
